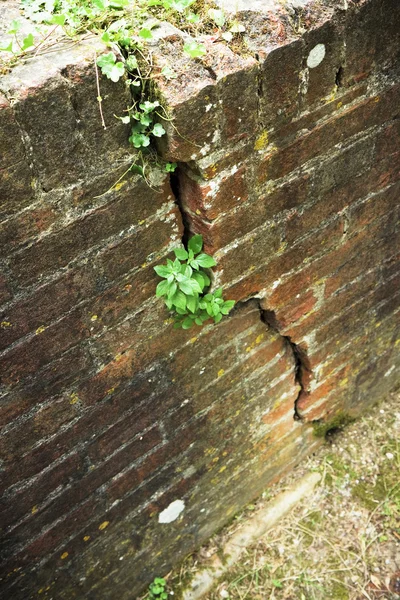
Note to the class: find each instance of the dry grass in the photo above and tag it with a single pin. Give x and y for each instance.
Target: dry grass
(343, 543)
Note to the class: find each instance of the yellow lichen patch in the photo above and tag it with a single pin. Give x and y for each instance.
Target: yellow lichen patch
(193, 340)
(111, 390)
(119, 185)
(198, 212)
(215, 459)
(34, 509)
(344, 382)
(104, 525)
(142, 222)
(377, 99)
(339, 105)
(5, 324)
(86, 538)
(259, 338)
(74, 398)
(40, 591)
(94, 318)
(262, 141)
(64, 555)
(117, 357)
(222, 469)
(40, 329)
(220, 372)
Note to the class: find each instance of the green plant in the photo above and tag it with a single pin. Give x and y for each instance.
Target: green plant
(184, 286)
(157, 589)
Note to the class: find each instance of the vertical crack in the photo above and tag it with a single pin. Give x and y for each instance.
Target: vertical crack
(302, 371)
(176, 191)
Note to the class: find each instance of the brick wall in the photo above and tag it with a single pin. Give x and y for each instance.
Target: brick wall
(291, 171)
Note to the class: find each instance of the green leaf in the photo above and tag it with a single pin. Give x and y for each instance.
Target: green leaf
(139, 140)
(193, 18)
(148, 106)
(227, 306)
(191, 303)
(172, 289)
(170, 167)
(145, 33)
(198, 321)
(8, 48)
(195, 244)
(15, 27)
(179, 299)
(217, 16)
(28, 42)
(162, 289)
(187, 323)
(59, 19)
(158, 130)
(218, 293)
(181, 254)
(162, 271)
(217, 318)
(145, 119)
(168, 73)
(194, 49)
(131, 63)
(277, 583)
(110, 68)
(205, 260)
(186, 288)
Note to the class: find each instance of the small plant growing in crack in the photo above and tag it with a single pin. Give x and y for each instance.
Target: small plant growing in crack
(157, 589)
(184, 286)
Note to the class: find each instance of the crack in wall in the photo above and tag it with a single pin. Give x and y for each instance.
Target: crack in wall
(302, 371)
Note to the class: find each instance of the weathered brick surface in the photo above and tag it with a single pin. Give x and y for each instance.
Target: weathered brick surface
(289, 168)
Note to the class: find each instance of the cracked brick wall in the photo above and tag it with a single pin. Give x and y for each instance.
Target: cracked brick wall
(125, 443)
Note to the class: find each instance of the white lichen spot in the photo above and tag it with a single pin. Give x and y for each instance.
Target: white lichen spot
(208, 107)
(172, 512)
(316, 56)
(205, 149)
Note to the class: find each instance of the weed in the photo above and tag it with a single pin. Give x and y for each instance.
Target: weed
(184, 283)
(157, 589)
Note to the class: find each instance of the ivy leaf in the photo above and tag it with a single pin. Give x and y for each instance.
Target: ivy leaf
(59, 19)
(170, 167)
(15, 27)
(217, 16)
(238, 28)
(168, 73)
(205, 261)
(194, 49)
(139, 140)
(195, 244)
(148, 106)
(28, 42)
(8, 48)
(158, 130)
(110, 68)
(131, 63)
(145, 33)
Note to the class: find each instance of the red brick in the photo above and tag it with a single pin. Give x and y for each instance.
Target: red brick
(5, 293)
(47, 303)
(16, 190)
(26, 226)
(374, 207)
(250, 253)
(29, 356)
(50, 381)
(57, 249)
(251, 215)
(46, 422)
(84, 487)
(333, 383)
(369, 112)
(214, 198)
(27, 499)
(133, 251)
